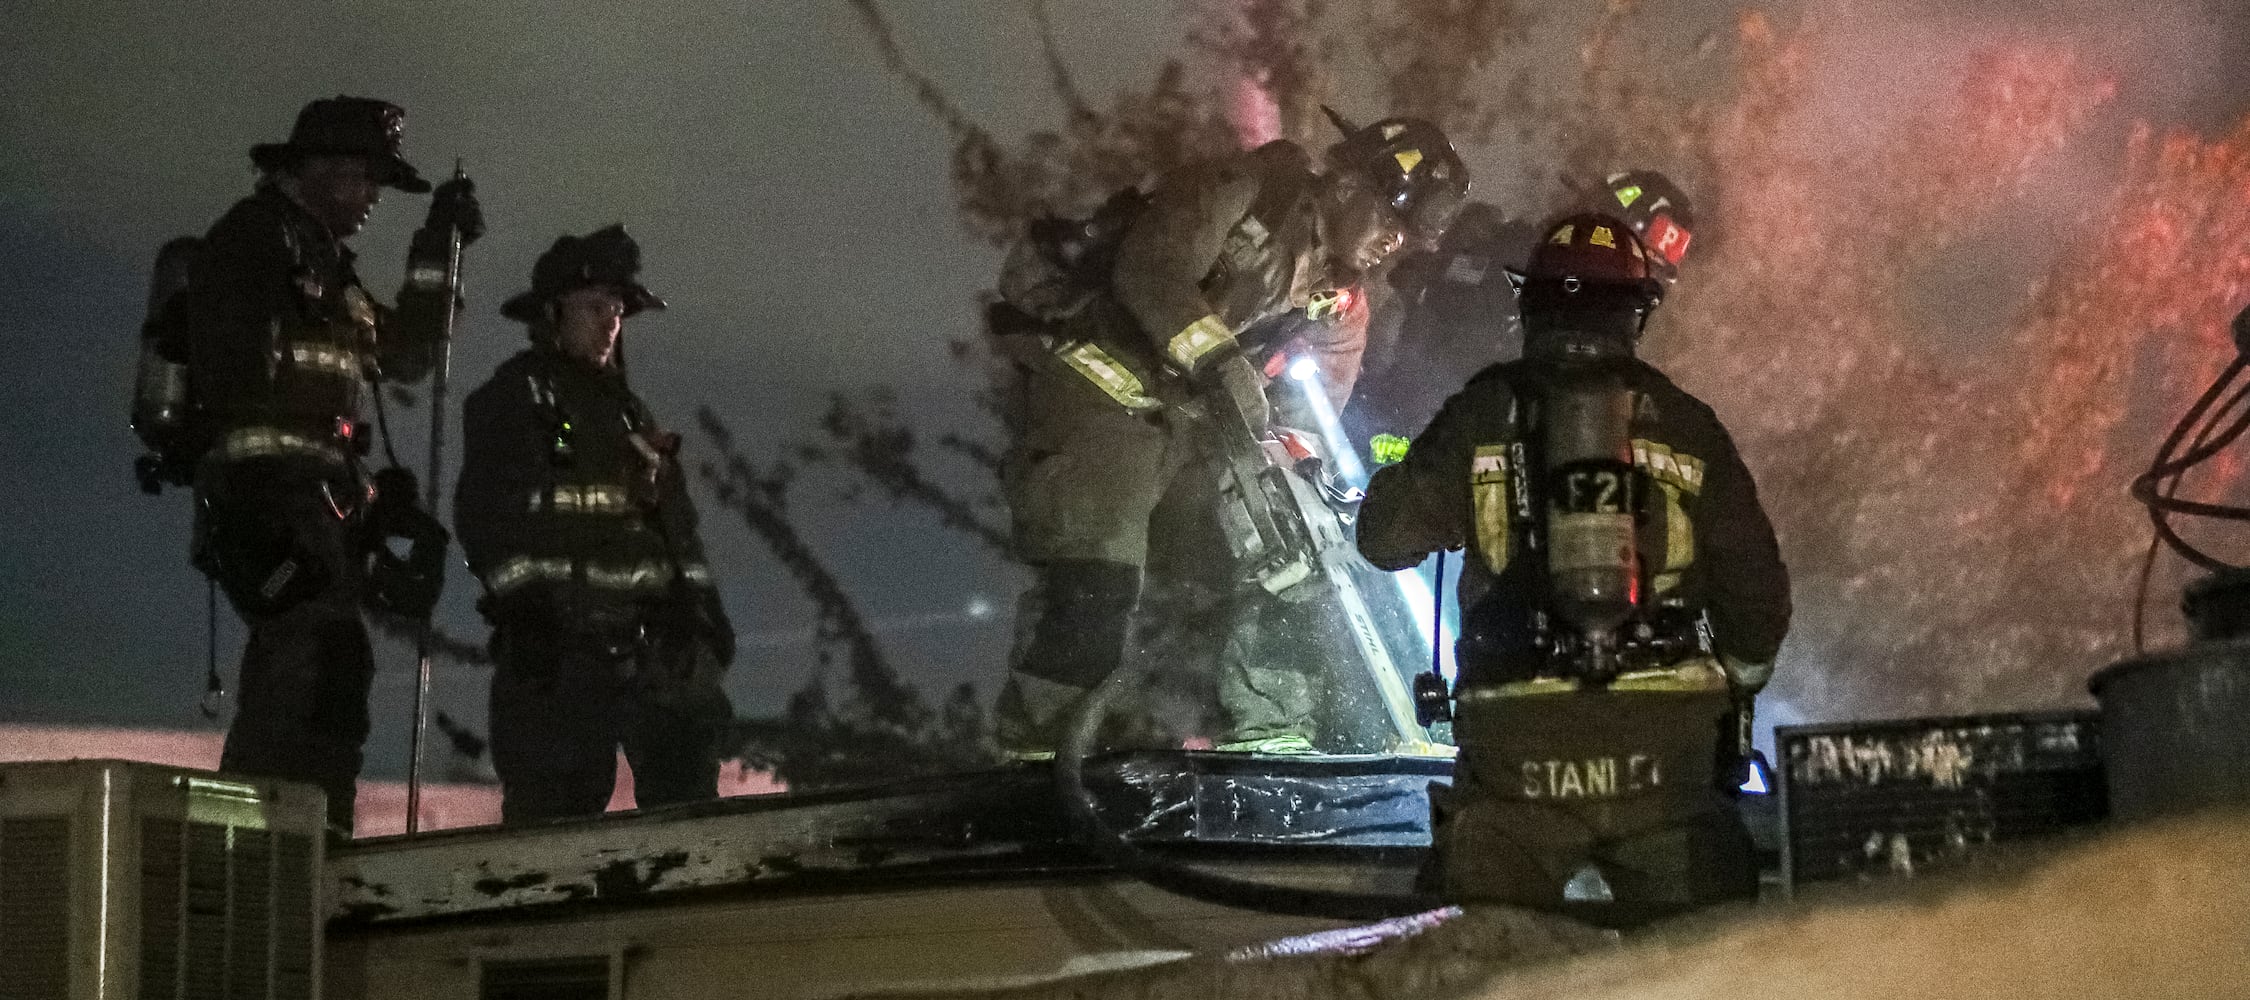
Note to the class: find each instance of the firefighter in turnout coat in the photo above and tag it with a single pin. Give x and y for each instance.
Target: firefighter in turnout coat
(1578, 785)
(283, 349)
(572, 510)
(1215, 270)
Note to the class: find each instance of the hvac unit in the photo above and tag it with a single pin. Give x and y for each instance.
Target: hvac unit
(127, 881)
(1864, 799)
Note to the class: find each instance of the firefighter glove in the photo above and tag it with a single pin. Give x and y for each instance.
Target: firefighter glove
(454, 205)
(1387, 449)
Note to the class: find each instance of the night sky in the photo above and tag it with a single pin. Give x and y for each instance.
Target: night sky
(791, 200)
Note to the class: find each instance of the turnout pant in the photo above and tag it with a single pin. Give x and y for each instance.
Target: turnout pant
(1605, 799)
(1087, 484)
(566, 699)
(301, 708)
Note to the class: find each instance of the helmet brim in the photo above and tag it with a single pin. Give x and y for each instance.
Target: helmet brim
(531, 306)
(394, 170)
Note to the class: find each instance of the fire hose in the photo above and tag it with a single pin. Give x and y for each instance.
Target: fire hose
(1113, 846)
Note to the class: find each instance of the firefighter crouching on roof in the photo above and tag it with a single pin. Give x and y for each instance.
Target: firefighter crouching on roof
(1167, 319)
(1622, 594)
(280, 342)
(572, 509)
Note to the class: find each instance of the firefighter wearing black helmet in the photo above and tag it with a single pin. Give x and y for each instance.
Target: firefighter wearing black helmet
(1590, 768)
(282, 347)
(1455, 311)
(1217, 268)
(572, 510)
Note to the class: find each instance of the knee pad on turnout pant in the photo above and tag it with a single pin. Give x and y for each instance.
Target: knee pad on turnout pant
(1074, 620)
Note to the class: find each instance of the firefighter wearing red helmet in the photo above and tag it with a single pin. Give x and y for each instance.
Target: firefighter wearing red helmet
(1130, 328)
(1659, 212)
(1455, 311)
(1622, 596)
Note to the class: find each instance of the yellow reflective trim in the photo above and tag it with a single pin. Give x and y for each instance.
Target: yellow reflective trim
(1388, 449)
(1628, 194)
(1198, 340)
(522, 570)
(1699, 674)
(596, 499)
(1563, 236)
(267, 442)
(1679, 535)
(645, 575)
(326, 357)
(1603, 237)
(1694, 676)
(1488, 488)
(1516, 689)
(359, 307)
(1114, 379)
(1407, 159)
(1667, 466)
(648, 574)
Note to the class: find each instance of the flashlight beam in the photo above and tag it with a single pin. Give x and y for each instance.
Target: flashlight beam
(1415, 590)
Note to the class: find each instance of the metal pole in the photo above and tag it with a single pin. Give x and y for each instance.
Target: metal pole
(1437, 617)
(430, 498)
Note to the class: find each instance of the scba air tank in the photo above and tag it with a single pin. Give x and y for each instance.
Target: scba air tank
(1594, 498)
(160, 386)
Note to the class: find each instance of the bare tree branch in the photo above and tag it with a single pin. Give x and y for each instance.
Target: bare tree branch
(884, 730)
(1059, 77)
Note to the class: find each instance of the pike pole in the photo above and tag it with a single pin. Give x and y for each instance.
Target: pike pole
(431, 490)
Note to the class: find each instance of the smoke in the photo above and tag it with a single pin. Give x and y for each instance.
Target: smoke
(1881, 65)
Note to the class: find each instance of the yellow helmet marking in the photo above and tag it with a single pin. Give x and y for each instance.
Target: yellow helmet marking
(1407, 158)
(1603, 237)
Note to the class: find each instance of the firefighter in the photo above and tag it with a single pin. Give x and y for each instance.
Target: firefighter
(1458, 310)
(572, 510)
(1207, 278)
(282, 343)
(1594, 752)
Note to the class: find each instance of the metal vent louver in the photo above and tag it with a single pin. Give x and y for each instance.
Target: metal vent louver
(225, 912)
(35, 908)
(122, 880)
(1866, 799)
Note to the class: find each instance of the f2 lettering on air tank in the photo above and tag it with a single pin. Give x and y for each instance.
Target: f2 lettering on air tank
(1591, 778)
